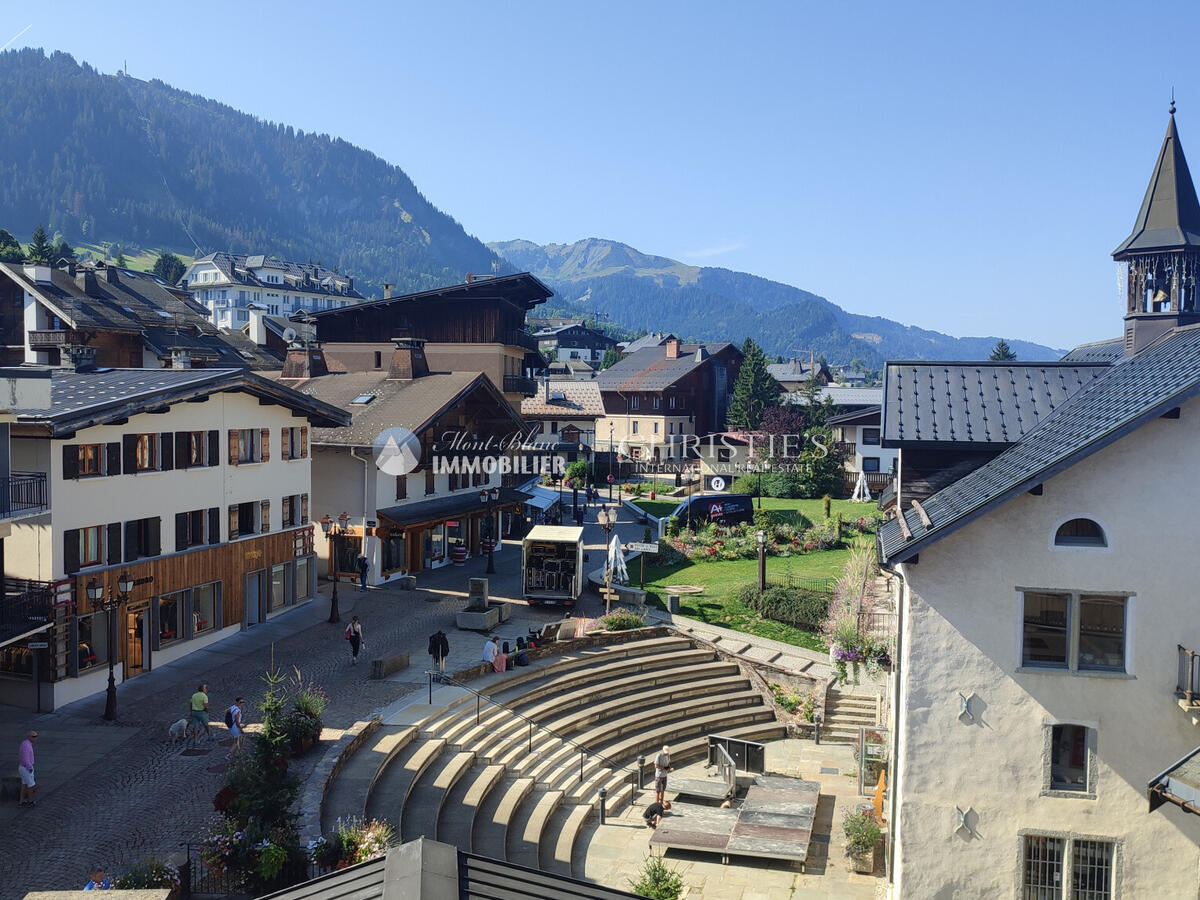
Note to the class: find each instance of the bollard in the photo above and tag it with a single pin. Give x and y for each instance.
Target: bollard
(582, 757)
(603, 797)
(431, 689)
(673, 603)
(476, 709)
(531, 738)
(817, 728)
(641, 772)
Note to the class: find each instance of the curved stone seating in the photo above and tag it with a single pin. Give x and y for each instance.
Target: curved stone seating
(482, 778)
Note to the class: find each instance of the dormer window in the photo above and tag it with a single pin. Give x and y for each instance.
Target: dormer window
(1080, 533)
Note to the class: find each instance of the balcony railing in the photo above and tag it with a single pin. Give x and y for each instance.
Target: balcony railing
(22, 493)
(846, 448)
(56, 338)
(1187, 686)
(25, 607)
(876, 481)
(520, 384)
(522, 339)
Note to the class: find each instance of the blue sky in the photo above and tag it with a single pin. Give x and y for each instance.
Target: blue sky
(963, 167)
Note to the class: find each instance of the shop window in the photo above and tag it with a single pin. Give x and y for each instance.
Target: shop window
(205, 607)
(92, 648)
(303, 574)
(394, 550)
(279, 586)
(169, 618)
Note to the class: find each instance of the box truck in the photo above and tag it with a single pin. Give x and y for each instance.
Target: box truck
(552, 564)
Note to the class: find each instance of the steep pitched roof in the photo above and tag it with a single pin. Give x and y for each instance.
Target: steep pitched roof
(1109, 351)
(568, 399)
(1170, 215)
(303, 277)
(974, 403)
(650, 369)
(655, 339)
(1120, 399)
(522, 289)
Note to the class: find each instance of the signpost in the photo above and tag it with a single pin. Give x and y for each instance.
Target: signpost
(642, 549)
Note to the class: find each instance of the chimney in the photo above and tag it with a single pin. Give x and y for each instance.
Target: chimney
(38, 272)
(110, 274)
(85, 279)
(701, 353)
(673, 348)
(258, 328)
(181, 358)
(408, 359)
(302, 362)
(546, 388)
(77, 358)
(387, 290)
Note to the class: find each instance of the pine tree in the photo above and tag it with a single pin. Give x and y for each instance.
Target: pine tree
(169, 267)
(611, 358)
(754, 390)
(121, 262)
(10, 248)
(1002, 352)
(39, 246)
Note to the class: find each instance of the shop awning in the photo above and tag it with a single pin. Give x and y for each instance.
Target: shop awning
(461, 504)
(543, 498)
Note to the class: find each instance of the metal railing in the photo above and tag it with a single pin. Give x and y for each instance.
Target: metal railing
(520, 384)
(25, 606)
(522, 339)
(583, 751)
(1188, 682)
(197, 879)
(22, 492)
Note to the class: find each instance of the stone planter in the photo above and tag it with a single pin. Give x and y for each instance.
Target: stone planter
(862, 862)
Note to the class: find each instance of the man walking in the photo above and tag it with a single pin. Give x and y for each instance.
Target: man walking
(199, 706)
(363, 567)
(662, 765)
(25, 769)
(439, 649)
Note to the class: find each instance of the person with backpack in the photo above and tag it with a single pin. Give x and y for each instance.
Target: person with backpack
(363, 568)
(233, 721)
(354, 635)
(439, 649)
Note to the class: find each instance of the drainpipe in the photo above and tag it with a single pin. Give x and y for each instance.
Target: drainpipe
(366, 505)
(897, 667)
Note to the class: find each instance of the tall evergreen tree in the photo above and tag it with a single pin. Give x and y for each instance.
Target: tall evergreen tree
(1002, 352)
(611, 357)
(169, 267)
(10, 248)
(39, 246)
(60, 249)
(754, 390)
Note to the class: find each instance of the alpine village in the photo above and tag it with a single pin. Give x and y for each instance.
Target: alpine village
(346, 556)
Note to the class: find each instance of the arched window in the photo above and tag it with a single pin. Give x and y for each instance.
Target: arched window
(1080, 533)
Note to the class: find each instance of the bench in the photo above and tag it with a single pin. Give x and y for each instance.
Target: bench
(382, 668)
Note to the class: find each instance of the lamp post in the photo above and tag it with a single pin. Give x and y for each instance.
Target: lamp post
(610, 460)
(488, 499)
(110, 603)
(762, 562)
(607, 519)
(334, 529)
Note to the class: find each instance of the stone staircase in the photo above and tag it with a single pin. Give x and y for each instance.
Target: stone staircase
(489, 782)
(844, 713)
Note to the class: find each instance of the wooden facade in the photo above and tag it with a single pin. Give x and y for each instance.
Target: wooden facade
(488, 320)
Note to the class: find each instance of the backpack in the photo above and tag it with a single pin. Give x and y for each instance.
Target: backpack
(229, 717)
(522, 659)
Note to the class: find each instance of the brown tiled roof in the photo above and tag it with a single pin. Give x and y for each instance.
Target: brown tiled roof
(580, 399)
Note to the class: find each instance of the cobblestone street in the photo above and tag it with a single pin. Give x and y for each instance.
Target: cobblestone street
(114, 793)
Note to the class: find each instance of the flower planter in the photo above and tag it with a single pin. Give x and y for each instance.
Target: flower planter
(862, 862)
(302, 746)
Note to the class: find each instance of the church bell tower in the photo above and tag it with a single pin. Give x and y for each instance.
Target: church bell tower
(1163, 251)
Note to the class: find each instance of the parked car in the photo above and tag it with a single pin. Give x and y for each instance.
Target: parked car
(724, 509)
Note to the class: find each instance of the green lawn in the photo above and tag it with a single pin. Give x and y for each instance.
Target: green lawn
(812, 510)
(657, 508)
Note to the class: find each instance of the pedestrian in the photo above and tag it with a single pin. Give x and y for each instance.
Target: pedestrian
(439, 649)
(363, 567)
(655, 811)
(99, 881)
(662, 765)
(354, 634)
(492, 655)
(233, 718)
(199, 706)
(25, 770)
(579, 516)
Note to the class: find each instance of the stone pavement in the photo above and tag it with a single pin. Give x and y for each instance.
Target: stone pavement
(613, 853)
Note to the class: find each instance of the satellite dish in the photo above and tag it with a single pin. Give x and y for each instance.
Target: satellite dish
(289, 334)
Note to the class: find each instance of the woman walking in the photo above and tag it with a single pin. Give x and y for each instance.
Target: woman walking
(354, 634)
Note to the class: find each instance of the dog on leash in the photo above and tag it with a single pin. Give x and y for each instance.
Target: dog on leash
(178, 732)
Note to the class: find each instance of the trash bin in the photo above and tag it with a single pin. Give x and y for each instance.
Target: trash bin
(673, 603)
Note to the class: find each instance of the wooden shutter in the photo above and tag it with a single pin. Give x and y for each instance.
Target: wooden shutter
(131, 541)
(401, 487)
(183, 450)
(214, 525)
(214, 448)
(285, 512)
(285, 446)
(265, 435)
(304, 442)
(265, 516)
(70, 461)
(153, 536)
(181, 531)
(114, 543)
(130, 453)
(304, 509)
(233, 521)
(166, 452)
(71, 551)
(234, 446)
(112, 458)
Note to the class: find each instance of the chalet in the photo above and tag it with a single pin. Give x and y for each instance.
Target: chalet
(793, 374)
(654, 339)
(571, 370)
(129, 319)
(226, 284)
(568, 342)
(564, 411)
(408, 522)
(657, 396)
(194, 483)
(858, 435)
(478, 326)
(1044, 697)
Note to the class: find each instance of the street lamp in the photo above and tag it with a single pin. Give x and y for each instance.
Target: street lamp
(110, 603)
(332, 533)
(488, 498)
(607, 519)
(762, 562)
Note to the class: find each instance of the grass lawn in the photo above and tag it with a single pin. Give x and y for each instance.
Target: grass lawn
(813, 510)
(657, 508)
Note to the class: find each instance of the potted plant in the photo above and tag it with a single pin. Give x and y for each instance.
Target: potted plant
(862, 836)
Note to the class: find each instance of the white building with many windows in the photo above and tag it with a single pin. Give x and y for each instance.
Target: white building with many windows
(227, 284)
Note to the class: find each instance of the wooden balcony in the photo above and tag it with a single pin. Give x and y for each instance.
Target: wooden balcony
(522, 339)
(876, 481)
(50, 340)
(845, 448)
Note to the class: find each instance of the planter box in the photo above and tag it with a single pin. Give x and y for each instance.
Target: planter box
(483, 620)
(863, 863)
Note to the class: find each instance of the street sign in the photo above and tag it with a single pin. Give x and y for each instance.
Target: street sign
(611, 479)
(38, 645)
(642, 548)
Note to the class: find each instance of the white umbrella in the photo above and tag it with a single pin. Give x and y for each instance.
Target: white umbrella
(618, 574)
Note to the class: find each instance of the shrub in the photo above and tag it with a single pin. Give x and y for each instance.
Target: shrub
(862, 832)
(658, 881)
(803, 607)
(623, 620)
(353, 841)
(149, 873)
(745, 484)
(672, 526)
(802, 703)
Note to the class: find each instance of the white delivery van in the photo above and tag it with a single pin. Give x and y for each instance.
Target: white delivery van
(552, 565)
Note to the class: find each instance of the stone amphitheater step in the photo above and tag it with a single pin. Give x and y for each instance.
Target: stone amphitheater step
(558, 837)
(495, 813)
(348, 792)
(457, 819)
(423, 805)
(524, 840)
(390, 789)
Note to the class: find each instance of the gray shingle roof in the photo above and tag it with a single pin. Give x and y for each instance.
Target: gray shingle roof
(974, 403)
(1118, 400)
(304, 277)
(655, 339)
(649, 369)
(1110, 351)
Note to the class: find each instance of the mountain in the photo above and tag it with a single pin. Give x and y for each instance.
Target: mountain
(109, 157)
(655, 293)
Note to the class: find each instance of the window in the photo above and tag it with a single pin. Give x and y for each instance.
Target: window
(870, 437)
(1069, 760)
(295, 510)
(91, 545)
(170, 608)
(279, 586)
(92, 648)
(870, 463)
(1072, 868)
(204, 608)
(633, 402)
(657, 402)
(635, 426)
(294, 443)
(90, 456)
(196, 528)
(656, 428)
(378, 359)
(671, 426)
(246, 438)
(242, 519)
(1080, 533)
(1079, 632)
(142, 538)
(401, 487)
(724, 454)
(554, 428)
(146, 452)
(196, 441)
(671, 401)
